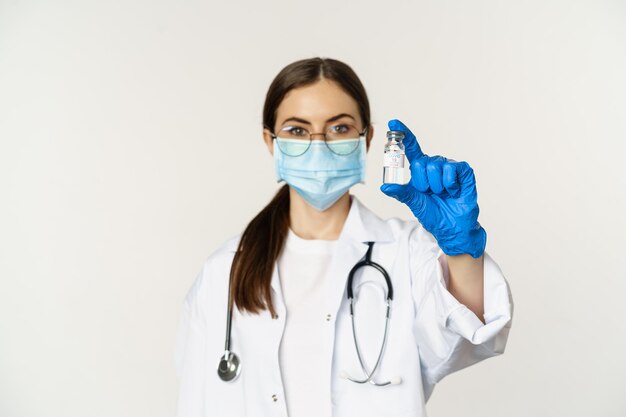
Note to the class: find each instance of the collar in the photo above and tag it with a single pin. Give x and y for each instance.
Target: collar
(363, 225)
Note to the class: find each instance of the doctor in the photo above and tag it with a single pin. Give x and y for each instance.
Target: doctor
(434, 303)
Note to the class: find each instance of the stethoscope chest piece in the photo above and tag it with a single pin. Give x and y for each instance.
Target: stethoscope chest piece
(229, 367)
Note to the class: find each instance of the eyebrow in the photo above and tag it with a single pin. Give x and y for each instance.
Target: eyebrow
(332, 119)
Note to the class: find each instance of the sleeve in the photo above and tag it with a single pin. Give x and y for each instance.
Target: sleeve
(449, 335)
(190, 358)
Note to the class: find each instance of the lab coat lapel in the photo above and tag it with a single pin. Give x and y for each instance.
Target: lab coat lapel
(279, 302)
(347, 255)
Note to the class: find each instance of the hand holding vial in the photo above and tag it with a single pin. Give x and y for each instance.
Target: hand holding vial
(441, 193)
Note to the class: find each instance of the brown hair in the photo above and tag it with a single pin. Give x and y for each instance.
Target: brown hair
(263, 238)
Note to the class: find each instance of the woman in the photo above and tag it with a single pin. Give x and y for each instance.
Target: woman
(301, 352)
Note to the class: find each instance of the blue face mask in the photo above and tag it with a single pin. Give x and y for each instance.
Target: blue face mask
(319, 175)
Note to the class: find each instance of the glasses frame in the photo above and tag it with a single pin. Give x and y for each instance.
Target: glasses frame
(361, 134)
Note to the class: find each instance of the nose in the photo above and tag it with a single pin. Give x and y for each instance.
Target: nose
(318, 134)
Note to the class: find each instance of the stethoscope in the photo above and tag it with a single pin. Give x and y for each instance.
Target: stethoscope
(229, 367)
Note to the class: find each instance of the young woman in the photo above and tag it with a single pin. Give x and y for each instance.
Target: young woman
(320, 308)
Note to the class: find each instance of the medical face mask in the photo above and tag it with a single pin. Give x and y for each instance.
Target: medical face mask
(319, 175)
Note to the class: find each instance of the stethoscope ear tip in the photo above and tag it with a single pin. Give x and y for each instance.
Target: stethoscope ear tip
(396, 380)
(344, 375)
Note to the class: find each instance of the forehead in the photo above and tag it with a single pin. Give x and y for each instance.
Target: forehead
(317, 102)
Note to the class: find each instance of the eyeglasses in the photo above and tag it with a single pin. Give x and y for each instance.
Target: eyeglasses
(339, 138)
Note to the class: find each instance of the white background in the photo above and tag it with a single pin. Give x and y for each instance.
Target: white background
(130, 149)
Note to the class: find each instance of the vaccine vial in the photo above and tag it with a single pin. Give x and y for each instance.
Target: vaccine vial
(393, 159)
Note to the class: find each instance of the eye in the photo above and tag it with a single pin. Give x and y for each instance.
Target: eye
(340, 128)
(295, 131)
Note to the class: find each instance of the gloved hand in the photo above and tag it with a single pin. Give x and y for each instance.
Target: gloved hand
(442, 195)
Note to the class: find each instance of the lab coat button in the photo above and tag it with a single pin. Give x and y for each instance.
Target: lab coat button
(327, 317)
(274, 397)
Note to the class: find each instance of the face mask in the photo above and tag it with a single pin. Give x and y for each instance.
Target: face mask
(319, 175)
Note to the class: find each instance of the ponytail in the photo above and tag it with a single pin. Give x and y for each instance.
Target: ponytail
(257, 252)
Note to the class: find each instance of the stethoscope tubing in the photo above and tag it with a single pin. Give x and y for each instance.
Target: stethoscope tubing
(363, 263)
(370, 375)
(229, 366)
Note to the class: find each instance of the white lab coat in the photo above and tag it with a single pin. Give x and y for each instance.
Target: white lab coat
(430, 333)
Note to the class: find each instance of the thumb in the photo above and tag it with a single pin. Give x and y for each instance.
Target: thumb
(396, 191)
(404, 193)
(409, 195)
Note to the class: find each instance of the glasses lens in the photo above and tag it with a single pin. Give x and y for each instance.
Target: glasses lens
(342, 139)
(293, 140)
(293, 147)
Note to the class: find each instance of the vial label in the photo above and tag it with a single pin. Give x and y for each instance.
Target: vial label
(393, 160)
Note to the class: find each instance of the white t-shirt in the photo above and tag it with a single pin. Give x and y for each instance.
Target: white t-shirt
(302, 268)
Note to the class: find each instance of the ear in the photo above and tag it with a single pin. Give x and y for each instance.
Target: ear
(369, 136)
(267, 138)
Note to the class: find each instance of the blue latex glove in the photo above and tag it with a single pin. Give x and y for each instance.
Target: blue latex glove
(442, 195)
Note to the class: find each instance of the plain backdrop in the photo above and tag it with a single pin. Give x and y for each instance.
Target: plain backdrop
(131, 148)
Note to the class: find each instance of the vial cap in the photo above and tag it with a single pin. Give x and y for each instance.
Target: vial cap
(396, 135)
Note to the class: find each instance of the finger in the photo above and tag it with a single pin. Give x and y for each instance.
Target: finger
(450, 180)
(419, 179)
(434, 171)
(412, 148)
(466, 178)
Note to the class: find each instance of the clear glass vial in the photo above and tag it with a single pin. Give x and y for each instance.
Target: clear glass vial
(393, 159)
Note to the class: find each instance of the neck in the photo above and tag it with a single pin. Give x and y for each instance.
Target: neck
(308, 223)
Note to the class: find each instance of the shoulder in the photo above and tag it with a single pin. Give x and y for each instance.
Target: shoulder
(219, 261)
(228, 248)
(215, 272)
